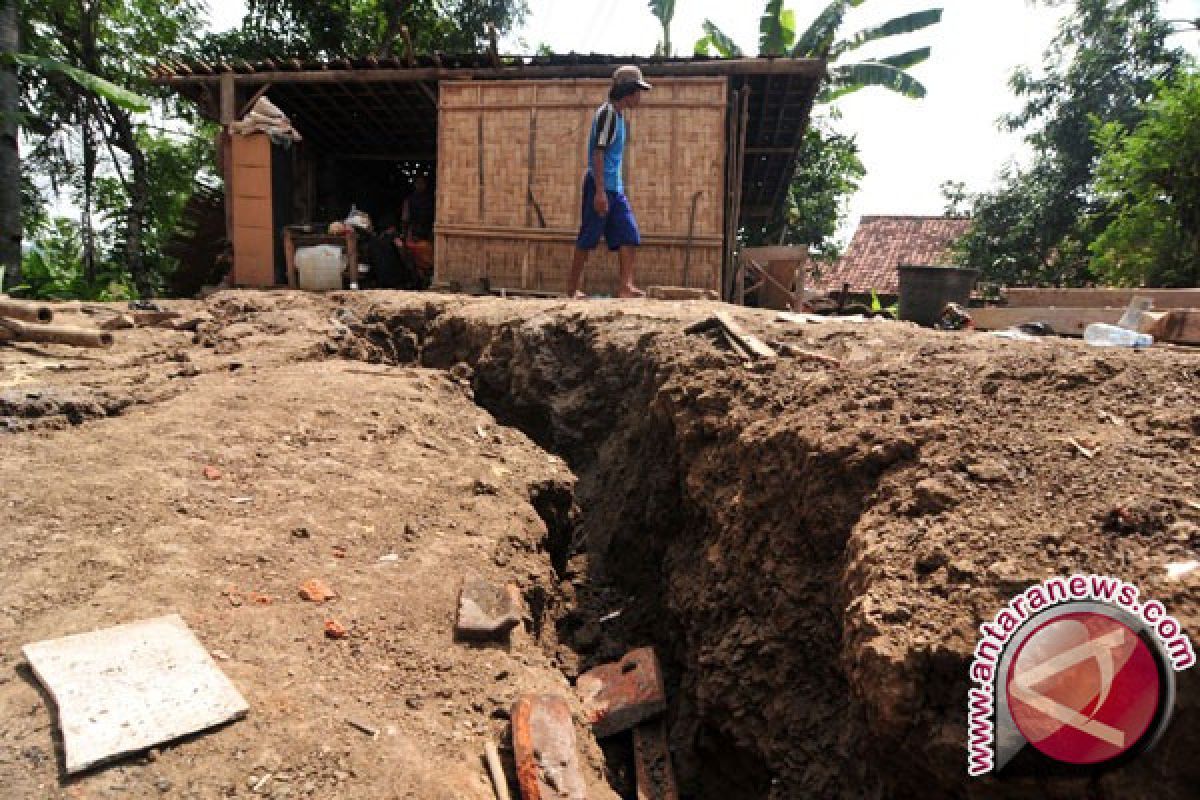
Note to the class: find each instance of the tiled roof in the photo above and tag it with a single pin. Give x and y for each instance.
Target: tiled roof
(883, 243)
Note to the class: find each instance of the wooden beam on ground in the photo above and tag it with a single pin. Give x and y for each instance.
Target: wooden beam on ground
(1101, 298)
(1063, 321)
(747, 341)
(1176, 327)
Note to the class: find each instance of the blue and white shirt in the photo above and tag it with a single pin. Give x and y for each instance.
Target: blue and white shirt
(608, 134)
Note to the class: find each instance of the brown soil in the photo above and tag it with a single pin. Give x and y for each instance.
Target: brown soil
(809, 548)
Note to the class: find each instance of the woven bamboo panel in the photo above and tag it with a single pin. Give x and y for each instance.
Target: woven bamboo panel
(542, 265)
(510, 166)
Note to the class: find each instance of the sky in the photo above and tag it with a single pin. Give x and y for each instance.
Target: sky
(909, 147)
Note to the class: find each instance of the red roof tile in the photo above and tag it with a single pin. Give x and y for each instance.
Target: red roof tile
(883, 243)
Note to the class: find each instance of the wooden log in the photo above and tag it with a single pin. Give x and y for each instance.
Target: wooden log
(1101, 298)
(25, 311)
(14, 330)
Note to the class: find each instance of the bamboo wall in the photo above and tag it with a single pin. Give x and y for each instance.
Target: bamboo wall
(508, 150)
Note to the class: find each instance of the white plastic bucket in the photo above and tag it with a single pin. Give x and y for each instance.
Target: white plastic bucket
(320, 268)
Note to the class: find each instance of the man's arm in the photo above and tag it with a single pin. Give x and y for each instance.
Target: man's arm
(601, 203)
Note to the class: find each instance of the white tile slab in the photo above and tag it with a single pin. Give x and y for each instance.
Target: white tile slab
(128, 688)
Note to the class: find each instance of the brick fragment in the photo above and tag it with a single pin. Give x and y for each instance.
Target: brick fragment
(486, 611)
(617, 697)
(543, 736)
(316, 590)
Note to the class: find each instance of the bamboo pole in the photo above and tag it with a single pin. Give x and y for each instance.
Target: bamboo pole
(14, 330)
(497, 771)
(26, 311)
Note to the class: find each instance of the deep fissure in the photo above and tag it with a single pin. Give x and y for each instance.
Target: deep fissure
(634, 543)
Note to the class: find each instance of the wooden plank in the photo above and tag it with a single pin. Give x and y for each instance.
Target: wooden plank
(1101, 298)
(1064, 321)
(747, 341)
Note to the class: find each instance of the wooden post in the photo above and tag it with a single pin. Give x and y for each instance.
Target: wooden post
(228, 109)
(727, 201)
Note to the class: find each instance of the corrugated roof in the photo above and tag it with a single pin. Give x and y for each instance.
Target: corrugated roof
(883, 243)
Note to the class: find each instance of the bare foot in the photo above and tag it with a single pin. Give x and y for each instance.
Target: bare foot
(630, 292)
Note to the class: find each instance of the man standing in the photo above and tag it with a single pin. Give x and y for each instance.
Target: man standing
(606, 211)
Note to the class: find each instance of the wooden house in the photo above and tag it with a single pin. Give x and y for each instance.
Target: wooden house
(504, 140)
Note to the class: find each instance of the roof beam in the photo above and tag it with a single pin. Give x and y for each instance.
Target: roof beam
(812, 68)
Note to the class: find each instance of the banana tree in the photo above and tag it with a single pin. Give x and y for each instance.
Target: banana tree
(829, 169)
(778, 37)
(664, 10)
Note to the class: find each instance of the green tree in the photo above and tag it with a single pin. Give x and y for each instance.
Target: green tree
(828, 173)
(14, 187)
(343, 28)
(828, 167)
(1102, 65)
(81, 131)
(1148, 182)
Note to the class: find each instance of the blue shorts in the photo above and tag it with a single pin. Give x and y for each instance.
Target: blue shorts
(618, 228)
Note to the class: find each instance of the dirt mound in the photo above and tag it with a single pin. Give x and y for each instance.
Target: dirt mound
(812, 548)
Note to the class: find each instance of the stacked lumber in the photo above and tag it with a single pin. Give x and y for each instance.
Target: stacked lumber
(1174, 318)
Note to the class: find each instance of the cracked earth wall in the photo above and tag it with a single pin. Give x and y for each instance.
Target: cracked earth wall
(811, 549)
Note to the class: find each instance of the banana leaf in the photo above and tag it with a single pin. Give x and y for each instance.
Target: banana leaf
(663, 9)
(725, 46)
(893, 27)
(817, 41)
(93, 83)
(777, 29)
(850, 78)
(906, 60)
